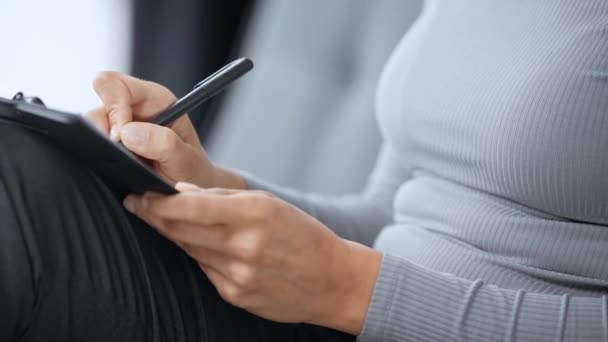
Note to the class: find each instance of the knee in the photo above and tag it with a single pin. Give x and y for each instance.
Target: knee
(21, 147)
(28, 158)
(19, 271)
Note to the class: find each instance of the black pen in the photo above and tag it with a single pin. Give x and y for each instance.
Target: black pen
(204, 90)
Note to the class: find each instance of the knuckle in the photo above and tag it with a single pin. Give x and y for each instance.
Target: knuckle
(104, 77)
(262, 207)
(246, 245)
(230, 292)
(248, 250)
(114, 115)
(163, 91)
(241, 274)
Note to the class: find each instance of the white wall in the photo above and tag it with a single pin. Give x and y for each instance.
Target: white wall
(54, 49)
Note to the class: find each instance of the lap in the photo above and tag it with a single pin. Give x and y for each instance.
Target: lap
(78, 267)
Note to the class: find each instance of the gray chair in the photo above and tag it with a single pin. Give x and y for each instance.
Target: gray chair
(305, 116)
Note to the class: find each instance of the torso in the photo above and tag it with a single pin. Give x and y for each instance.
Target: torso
(500, 110)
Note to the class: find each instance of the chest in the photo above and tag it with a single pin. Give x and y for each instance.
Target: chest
(509, 98)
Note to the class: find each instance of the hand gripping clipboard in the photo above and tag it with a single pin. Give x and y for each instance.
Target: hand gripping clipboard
(118, 168)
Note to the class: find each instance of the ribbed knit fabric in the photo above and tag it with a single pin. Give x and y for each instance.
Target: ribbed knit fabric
(490, 195)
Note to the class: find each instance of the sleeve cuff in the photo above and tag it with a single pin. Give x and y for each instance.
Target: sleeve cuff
(391, 275)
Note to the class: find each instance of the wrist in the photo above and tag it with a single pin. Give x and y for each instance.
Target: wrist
(356, 274)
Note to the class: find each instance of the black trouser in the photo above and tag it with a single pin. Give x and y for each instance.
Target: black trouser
(74, 266)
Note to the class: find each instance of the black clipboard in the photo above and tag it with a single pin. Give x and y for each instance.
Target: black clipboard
(117, 167)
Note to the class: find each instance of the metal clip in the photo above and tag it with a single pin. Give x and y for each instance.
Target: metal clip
(28, 99)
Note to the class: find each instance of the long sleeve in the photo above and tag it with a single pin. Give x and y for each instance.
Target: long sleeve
(354, 217)
(412, 303)
(499, 107)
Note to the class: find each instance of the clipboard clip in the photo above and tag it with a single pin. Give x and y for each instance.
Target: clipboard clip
(28, 99)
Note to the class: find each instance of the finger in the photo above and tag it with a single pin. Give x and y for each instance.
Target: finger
(207, 258)
(219, 281)
(161, 226)
(212, 237)
(126, 98)
(201, 207)
(136, 206)
(117, 99)
(233, 280)
(215, 276)
(221, 270)
(99, 119)
(154, 142)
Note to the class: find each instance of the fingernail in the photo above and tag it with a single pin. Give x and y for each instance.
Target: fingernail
(133, 136)
(129, 205)
(114, 133)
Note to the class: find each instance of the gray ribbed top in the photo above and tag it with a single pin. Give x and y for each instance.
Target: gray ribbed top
(490, 195)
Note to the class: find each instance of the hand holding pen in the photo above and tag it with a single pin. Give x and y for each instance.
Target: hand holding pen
(149, 121)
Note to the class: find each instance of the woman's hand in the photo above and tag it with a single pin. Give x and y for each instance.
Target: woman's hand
(266, 256)
(174, 152)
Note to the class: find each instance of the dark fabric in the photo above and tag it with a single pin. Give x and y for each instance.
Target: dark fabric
(179, 42)
(74, 266)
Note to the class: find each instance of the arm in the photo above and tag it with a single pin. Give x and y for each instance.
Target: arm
(409, 303)
(355, 217)
(176, 155)
(412, 303)
(270, 256)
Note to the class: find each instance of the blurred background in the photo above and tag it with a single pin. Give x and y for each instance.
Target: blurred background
(304, 117)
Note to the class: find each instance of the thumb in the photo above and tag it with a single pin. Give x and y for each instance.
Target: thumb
(152, 141)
